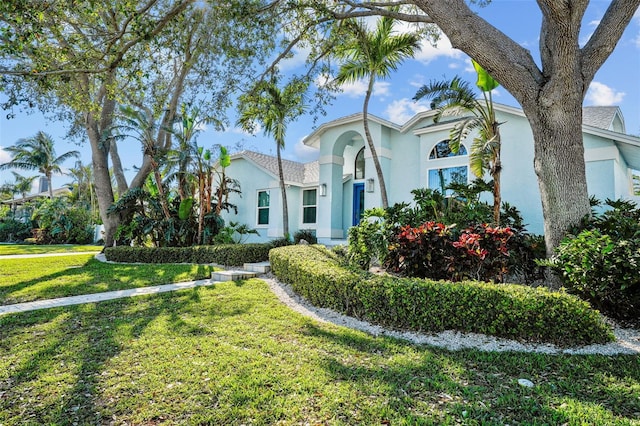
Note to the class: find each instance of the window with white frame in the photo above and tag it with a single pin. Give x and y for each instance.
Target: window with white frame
(451, 171)
(263, 207)
(359, 165)
(309, 204)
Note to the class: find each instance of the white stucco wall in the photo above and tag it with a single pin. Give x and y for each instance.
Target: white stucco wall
(404, 155)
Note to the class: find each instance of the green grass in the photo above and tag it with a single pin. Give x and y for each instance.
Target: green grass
(232, 354)
(7, 249)
(26, 280)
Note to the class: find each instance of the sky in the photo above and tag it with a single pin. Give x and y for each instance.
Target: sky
(616, 83)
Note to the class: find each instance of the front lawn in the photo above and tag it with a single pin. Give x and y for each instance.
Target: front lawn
(7, 249)
(26, 280)
(232, 354)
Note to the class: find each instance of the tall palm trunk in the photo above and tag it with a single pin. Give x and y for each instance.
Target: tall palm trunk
(283, 191)
(48, 175)
(495, 174)
(372, 148)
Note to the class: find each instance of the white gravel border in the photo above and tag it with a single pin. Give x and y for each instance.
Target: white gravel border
(627, 340)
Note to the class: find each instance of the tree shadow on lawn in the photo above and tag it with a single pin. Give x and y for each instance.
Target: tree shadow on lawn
(102, 363)
(54, 359)
(94, 277)
(476, 386)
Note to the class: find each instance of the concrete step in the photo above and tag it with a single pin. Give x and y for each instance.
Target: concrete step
(232, 275)
(260, 267)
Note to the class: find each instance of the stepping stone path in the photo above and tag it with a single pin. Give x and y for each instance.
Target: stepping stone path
(250, 270)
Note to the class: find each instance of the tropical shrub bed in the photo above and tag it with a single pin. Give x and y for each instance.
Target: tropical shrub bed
(223, 254)
(448, 238)
(601, 261)
(14, 230)
(503, 310)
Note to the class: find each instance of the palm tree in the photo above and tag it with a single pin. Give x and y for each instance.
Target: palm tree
(140, 124)
(374, 55)
(23, 184)
(274, 108)
(82, 187)
(456, 97)
(37, 153)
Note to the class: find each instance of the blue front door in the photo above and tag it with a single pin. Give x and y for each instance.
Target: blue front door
(358, 203)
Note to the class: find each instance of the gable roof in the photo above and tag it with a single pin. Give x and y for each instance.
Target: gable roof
(601, 117)
(314, 138)
(294, 172)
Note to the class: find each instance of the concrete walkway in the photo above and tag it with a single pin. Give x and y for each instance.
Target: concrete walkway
(119, 294)
(100, 297)
(27, 256)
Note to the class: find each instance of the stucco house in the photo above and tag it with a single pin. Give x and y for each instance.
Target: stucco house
(328, 195)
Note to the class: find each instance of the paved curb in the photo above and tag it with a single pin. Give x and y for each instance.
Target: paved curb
(100, 297)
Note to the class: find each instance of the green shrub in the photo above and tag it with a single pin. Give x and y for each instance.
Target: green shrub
(603, 271)
(305, 234)
(504, 310)
(14, 230)
(379, 237)
(599, 260)
(223, 254)
(368, 241)
(59, 222)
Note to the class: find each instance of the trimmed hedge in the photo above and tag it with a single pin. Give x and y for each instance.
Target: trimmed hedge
(223, 254)
(503, 310)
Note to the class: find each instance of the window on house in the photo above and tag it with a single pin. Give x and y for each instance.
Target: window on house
(441, 177)
(309, 202)
(263, 207)
(359, 165)
(442, 150)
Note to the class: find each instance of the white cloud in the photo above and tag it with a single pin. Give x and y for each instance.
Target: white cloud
(5, 157)
(602, 95)
(357, 89)
(240, 131)
(298, 58)
(442, 49)
(400, 111)
(304, 153)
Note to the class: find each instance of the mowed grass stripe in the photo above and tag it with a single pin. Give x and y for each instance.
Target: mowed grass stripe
(233, 354)
(26, 280)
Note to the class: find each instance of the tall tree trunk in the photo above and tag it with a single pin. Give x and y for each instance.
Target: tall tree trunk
(118, 170)
(372, 148)
(560, 167)
(496, 170)
(283, 191)
(497, 197)
(48, 175)
(104, 192)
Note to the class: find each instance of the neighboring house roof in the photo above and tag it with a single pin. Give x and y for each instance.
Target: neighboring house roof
(601, 117)
(60, 192)
(294, 172)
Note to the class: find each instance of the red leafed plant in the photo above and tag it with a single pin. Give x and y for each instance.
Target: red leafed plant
(434, 250)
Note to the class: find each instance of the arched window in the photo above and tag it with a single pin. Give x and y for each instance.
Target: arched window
(442, 150)
(441, 177)
(359, 165)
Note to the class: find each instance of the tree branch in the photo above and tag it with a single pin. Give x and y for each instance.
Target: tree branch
(602, 42)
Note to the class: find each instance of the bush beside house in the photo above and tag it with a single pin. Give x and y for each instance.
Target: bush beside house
(503, 310)
(223, 254)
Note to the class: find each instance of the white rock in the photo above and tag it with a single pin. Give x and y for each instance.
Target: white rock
(526, 383)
